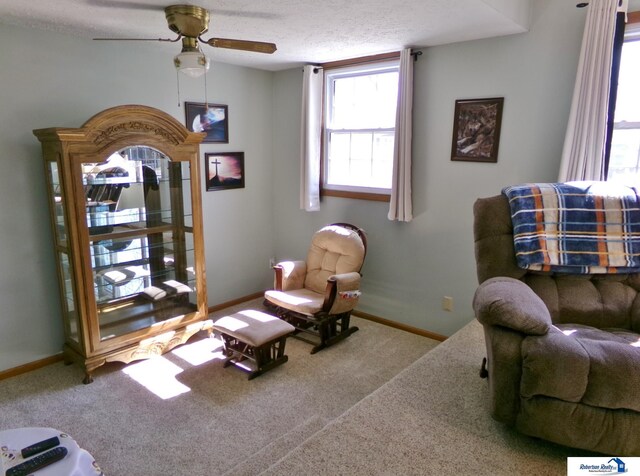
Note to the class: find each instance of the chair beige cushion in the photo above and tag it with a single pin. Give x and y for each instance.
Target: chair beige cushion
(253, 327)
(334, 250)
(303, 301)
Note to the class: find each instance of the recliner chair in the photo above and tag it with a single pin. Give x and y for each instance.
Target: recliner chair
(563, 350)
(317, 296)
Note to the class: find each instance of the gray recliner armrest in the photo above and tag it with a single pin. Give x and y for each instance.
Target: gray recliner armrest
(510, 303)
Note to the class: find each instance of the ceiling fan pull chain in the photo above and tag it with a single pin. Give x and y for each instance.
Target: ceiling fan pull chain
(178, 83)
(206, 95)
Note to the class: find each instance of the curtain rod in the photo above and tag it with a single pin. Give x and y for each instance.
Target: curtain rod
(361, 60)
(584, 4)
(364, 60)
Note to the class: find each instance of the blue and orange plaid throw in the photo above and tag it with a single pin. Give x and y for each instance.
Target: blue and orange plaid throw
(576, 227)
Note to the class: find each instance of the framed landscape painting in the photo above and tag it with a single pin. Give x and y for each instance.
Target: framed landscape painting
(476, 129)
(224, 171)
(210, 118)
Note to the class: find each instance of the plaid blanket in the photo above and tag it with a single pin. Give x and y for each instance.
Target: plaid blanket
(576, 227)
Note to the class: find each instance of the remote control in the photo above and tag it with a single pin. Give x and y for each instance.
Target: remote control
(40, 446)
(38, 462)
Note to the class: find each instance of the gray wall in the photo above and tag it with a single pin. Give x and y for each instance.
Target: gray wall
(49, 79)
(411, 266)
(53, 80)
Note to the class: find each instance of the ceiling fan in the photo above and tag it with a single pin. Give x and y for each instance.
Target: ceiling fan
(190, 22)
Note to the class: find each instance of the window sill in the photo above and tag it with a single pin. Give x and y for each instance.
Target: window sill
(376, 197)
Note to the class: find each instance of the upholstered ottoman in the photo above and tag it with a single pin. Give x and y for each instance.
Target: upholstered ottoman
(255, 336)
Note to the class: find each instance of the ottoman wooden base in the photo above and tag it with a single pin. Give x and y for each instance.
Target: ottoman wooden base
(255, 337)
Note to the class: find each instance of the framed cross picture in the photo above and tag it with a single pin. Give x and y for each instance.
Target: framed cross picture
(224, 170)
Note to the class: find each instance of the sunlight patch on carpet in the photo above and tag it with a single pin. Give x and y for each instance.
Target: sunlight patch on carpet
(199, 352)
(158, 375)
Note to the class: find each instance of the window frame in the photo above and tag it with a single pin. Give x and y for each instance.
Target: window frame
(362, 193)
(631, 32)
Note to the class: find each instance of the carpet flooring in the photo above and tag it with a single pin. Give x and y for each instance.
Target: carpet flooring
(184, 414)
(383, 402)
(431, 419)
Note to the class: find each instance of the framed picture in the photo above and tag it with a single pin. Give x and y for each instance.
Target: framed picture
(224, 171)
(476, 129)
(210, 118)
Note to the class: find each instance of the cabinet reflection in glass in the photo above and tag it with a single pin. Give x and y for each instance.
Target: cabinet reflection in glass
(139, 218)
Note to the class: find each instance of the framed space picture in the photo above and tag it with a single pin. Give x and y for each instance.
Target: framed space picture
(476, 129)
(224, 170)
(210, 118)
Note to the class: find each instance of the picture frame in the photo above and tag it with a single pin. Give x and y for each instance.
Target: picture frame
(476, 129)
(224, 170)
(210, 118)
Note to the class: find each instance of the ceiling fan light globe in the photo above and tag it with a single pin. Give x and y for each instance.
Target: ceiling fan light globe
(192, 63)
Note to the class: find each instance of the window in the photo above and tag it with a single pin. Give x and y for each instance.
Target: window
(624, 161)
(359, 129)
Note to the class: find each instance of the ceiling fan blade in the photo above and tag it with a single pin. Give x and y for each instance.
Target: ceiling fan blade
(137, 39)
(255, 46)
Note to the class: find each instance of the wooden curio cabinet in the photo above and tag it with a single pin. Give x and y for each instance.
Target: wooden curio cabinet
(124, 195)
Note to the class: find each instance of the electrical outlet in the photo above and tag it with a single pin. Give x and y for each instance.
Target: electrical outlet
(447, 303)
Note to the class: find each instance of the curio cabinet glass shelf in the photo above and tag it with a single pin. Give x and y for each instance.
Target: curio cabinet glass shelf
(124, 195)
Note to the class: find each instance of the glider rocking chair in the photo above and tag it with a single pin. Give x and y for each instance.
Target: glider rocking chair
(317, 296)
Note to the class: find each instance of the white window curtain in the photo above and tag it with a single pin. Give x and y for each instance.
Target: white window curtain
(310, 138)
(583, 152)
(400, 207)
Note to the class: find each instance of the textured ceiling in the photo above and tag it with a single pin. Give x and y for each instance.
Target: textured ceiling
(305, 31)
